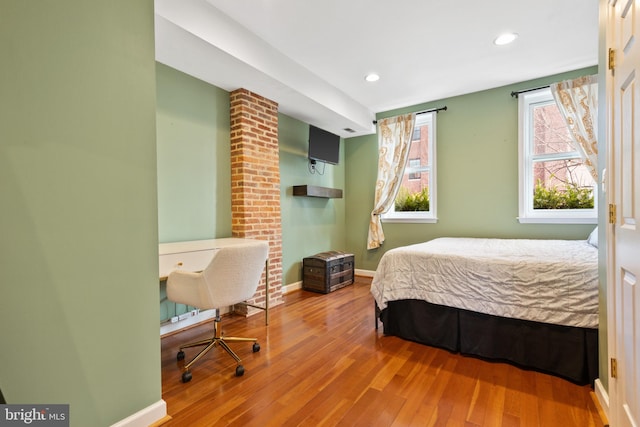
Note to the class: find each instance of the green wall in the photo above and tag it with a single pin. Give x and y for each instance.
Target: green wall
(309, 224)
(79, 317)
(477, 167)
(194, 171)
(194, 175)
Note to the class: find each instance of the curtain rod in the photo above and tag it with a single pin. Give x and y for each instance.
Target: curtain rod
(515, 93)
(375, 122)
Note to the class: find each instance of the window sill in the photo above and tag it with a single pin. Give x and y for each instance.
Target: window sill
(409, 220)
(533, 220)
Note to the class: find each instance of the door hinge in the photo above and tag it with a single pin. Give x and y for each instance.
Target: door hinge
(612, 59)
(612, 213)
(614, 367)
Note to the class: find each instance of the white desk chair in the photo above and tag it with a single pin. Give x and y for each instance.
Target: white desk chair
(231, 277)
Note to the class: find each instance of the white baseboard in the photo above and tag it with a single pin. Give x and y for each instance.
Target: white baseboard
(145, 417)
(291, 287)
(168, 327)
(298, 285)
(364, 273)
(602, 395)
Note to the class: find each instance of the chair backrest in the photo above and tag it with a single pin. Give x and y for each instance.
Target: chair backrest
(234, 273)
(231, 277)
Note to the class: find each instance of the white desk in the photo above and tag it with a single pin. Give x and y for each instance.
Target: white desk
(195, 255)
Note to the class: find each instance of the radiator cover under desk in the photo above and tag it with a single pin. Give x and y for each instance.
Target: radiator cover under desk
(327, 271)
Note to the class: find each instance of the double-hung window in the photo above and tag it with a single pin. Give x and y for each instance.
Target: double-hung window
(416, 198)
(555, 184)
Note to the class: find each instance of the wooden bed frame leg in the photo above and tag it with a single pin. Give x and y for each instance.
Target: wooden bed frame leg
(376, 313)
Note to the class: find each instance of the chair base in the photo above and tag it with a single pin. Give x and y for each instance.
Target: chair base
(208, 344)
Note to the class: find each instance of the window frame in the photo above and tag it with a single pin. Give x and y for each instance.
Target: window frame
(527, 101)
(430, 216)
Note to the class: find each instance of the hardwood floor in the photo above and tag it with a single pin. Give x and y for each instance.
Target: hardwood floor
(322, 363)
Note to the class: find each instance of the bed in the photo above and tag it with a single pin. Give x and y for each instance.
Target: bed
(532, 303)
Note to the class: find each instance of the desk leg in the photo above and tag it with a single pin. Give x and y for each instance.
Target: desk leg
(266, 299)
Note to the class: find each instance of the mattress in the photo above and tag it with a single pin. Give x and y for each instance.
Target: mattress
(548, 281)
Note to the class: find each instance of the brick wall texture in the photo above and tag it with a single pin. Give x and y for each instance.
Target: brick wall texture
(255, 184)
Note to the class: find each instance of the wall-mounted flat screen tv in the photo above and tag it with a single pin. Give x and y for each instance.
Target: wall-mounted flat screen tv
(323, 146)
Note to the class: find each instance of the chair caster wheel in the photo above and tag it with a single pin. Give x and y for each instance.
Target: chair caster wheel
(186, 377)
(256, 347)
(239, 371)
(180, 355)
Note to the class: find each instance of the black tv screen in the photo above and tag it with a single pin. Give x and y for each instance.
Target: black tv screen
(323, 146)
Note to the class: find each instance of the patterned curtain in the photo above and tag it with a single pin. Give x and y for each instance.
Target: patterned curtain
(394, 141)
(578, 102)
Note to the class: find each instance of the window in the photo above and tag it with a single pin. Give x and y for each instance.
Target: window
(416, 198)
(555, 185)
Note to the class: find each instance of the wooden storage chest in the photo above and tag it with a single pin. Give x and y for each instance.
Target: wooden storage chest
(327, 271)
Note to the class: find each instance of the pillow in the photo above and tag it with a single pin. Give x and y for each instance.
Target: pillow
(593, 237)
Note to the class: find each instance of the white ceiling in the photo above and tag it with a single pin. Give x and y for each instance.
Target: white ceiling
(311, 56)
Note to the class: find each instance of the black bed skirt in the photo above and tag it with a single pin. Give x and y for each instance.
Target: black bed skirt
(567, 352)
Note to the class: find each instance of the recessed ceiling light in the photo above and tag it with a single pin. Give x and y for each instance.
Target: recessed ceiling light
(372, 77)
(505, 38)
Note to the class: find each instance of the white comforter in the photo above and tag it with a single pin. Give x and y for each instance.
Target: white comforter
(550, 281)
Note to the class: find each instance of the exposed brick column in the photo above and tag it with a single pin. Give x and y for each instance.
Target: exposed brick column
(255, 183)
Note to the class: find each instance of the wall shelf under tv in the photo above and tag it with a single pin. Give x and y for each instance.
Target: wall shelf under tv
(315, 191)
